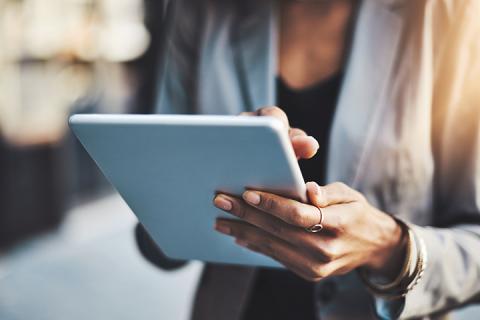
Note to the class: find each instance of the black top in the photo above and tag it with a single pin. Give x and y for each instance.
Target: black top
(280, 294)
(312, 110)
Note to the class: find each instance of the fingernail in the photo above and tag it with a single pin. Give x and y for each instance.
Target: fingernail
(223, 203)
(252, 197)
(241, 243)
(223, 228)
(314, 141)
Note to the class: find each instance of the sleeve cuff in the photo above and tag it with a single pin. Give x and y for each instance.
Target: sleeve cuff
(388, 309)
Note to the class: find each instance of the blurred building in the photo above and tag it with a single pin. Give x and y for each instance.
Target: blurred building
(59, 57)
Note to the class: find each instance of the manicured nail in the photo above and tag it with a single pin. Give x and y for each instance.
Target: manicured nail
(223, 228)
(252, 197)
(241, 243)
(222, 202)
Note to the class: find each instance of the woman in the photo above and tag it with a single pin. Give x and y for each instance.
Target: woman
(389, 89)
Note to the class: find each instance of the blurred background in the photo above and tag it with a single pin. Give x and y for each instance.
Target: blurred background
(67, 248)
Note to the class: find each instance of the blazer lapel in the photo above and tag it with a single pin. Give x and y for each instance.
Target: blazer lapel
(255, 51)
(365, 92)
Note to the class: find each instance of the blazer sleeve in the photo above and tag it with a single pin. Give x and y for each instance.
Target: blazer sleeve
(153, 253)
(452, 276)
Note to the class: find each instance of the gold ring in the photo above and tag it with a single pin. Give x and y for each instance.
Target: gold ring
(317, 227)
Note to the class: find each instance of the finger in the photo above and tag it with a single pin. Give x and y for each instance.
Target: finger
(274, 226)
(271, 112)
(321, 245)
(309, 276)
(274, 112)
(305, 147)
(290, 211)
(295, 132)
(335, 217)
(335, 193)
(247, 114)
(262, 242)
(295, 213)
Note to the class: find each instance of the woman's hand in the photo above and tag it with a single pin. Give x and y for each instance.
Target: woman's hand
(305, 147)
(355, 234)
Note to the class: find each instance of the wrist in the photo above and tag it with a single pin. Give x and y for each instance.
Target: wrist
(410, 274)
(390, 256)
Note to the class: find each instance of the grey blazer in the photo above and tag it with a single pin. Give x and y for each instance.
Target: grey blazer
(406, 133)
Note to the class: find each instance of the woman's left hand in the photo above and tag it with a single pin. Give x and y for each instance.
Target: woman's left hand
(355, 234)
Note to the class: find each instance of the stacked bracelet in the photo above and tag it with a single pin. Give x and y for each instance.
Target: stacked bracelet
(410, 274)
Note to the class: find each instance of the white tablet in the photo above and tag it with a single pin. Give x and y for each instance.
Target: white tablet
(169, 167)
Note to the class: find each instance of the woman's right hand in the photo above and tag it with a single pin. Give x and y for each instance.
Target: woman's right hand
(305, 146)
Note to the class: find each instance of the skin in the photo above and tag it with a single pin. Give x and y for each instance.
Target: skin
(355, 233)
(313, 42)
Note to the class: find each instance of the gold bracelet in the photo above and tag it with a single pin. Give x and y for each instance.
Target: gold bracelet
(420, 267)
(422, 263)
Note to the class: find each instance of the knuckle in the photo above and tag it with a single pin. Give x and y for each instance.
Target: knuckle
(268, 110)
(327, 257)
(331, 254)
(251, 234)
(315, 271)
(296, 216)
(245, 232)
(319, 247)
(237, 232)
(320, 271)
(342, 189)
(268, 248)
(332, 251)
(359, 206)
(340, 224)
(312, 243)
(291, 219)
(322, 198)
(310, 270)
(340, 185)
(274, 111)
(328, 251)
(268, 203)
(240, 211)
(276, 228)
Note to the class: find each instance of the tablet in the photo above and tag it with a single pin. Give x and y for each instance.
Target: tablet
(168, 169)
